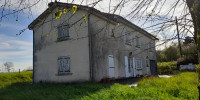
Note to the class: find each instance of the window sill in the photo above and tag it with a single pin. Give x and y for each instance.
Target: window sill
(137, 46)
(67, 73)
(59, 40)
(129, 44)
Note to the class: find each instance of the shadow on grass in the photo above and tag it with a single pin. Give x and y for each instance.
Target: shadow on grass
(49, 91)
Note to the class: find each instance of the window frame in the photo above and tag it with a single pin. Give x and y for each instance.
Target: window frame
(127, 38)
(137, 41)
(136, 63)
(62, 63)
(150, 47)
(64, 34)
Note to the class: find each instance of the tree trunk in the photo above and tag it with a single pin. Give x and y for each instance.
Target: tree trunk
(194, 7)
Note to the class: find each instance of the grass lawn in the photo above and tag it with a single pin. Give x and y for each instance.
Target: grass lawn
(19, 87)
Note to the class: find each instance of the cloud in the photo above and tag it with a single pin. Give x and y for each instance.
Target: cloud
(14, 49)
(5, 45)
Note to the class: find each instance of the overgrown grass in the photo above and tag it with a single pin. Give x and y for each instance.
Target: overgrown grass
(180, 87)
(167, 68)
(8, 78)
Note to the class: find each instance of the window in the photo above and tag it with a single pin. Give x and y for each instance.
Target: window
(137, 41)
(63, 64)
(63, 32)
(138, 64)
(127, 39)
(150, 47)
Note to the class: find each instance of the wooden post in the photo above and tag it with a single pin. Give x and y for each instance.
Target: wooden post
(179, 44)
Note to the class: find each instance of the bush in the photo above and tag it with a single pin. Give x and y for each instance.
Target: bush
(167, 68)
(168, 54)
(186, 60)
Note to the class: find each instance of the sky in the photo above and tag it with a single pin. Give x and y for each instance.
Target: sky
(19, 48)
(16, 48)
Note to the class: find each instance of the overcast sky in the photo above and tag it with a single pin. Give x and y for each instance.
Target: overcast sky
(18, 49)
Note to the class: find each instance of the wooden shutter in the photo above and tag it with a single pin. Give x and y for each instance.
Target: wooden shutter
(65, 31)
(67, 64)
(127, 39)
(64, 64)
(111, 61)
(138, 64)
(111, 68)
(59, 32)
(137, 41)
(127, 73)
(134, 67)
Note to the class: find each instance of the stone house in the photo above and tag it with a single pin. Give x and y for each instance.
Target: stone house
(74, 43)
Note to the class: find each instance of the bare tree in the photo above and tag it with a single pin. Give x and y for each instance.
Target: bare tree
(155, 16)
(152, 15)
(8, 66)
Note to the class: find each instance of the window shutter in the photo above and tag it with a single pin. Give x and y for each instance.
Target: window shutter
(59, 32)
(150, 47)
(137, 41)
(138, 64)
(67, 64)
(111, 60)
(63, 32)
(60, 64)
(64, 64)
(127, 39)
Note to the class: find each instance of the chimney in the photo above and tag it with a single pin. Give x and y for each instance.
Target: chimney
(51, 4)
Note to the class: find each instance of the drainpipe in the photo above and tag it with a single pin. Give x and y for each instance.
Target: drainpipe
(90, 47)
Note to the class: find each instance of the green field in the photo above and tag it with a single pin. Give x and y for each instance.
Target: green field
(15, 86)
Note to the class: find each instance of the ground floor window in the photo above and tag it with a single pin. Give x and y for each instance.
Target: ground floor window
(63, 64)
(138, 63)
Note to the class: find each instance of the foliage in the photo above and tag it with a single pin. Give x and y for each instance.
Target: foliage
(189, 55)
(74, 8)
(168, 54)
(182, 86)
(186, 60)
(8, 65)
(197, 67)
(171, 53)
(167, 68)
(58, 14)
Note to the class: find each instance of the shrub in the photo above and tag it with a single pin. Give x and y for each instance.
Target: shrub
(167, 68)
(186, 60)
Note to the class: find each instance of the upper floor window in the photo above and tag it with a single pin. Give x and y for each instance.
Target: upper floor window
(137, 41)
(150, 47)
(63, 32)
(128, 39)
(63, 64)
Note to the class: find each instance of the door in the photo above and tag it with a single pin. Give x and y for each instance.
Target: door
(127, 68)
(111, 67)
(134, 72)
(153, 67)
